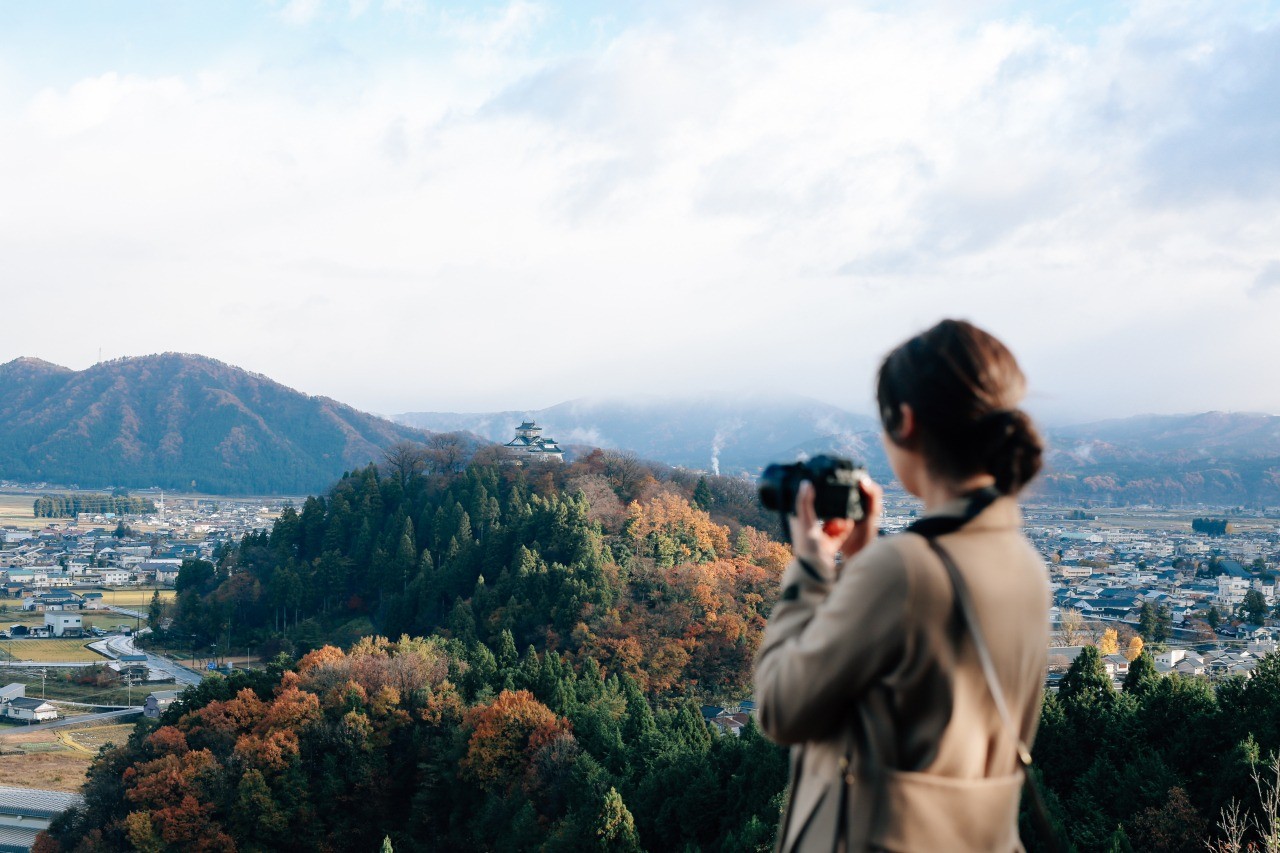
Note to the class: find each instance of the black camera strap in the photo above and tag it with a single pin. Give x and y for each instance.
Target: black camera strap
(934, 526)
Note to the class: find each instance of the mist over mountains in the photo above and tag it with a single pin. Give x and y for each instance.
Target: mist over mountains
(190, 422)
(728, 437)
(1217, 458)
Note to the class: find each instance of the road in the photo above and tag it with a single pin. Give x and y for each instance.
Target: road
(71, 721)
(117, 646)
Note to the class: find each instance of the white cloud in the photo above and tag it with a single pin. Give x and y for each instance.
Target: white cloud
(727, 196)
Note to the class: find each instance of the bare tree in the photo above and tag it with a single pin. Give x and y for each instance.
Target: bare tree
(625, 473)
(403, 461)
(446, 452)
(1233, 826)
(1071, 627)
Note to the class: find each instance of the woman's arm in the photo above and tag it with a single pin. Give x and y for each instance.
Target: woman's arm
(827, 641)
(829, 636)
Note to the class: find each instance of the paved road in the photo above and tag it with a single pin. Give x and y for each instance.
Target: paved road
(71, 721)
(117, 646)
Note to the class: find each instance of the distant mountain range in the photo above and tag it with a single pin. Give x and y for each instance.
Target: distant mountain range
(722, 436)
(180, 422)
(1213, 458)
(190, 422)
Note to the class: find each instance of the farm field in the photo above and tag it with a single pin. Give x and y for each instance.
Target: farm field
(16, 511)
(133, 597)
(51, 651)
(59, 687)
(55, 760)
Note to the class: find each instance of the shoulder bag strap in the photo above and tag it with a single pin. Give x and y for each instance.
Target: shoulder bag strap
(964, 604)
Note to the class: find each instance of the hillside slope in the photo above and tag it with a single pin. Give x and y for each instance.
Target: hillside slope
(178, 421)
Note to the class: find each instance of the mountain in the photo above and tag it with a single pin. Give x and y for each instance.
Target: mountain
(181, 422)
(1213, 458)
(725, 436)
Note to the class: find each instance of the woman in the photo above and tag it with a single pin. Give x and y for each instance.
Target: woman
(869, 666)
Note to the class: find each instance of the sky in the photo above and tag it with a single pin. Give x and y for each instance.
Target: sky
(420, 206)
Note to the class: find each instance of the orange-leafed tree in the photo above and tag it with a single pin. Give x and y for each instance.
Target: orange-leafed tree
(505, 734)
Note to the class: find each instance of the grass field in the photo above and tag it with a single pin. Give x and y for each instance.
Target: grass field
(55, 760)
(58, 686)
(133, 597)
(15, 511)
(51, 651)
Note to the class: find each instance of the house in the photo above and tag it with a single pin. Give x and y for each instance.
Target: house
(1117, 666)
(731, 724)
(158, 702)
(25, 812)
(116, 577)
(28, 710)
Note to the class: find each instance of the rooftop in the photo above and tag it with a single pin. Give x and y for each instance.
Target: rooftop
(35, 802)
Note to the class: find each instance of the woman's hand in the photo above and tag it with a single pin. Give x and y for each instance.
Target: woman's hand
(818, 542)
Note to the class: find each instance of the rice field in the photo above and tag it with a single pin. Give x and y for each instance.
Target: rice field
(16, 511)
(51, 651)
(133, 597)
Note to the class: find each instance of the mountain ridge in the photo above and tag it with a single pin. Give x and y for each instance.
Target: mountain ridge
(179, 420)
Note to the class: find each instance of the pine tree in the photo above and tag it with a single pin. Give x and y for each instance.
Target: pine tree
(1142, 675)
(702, 495)
(616, 828)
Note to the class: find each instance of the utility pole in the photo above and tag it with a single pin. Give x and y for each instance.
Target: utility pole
(43, 674)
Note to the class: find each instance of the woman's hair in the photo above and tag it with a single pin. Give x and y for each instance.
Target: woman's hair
(964, 387)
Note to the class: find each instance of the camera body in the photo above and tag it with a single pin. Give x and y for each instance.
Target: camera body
(835, 484)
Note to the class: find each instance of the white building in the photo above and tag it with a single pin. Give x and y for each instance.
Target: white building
(1231, 589)
(63, 623)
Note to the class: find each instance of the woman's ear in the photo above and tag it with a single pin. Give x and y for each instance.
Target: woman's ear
(906, 430)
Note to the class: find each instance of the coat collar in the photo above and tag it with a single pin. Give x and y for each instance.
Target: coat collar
(1003, 513)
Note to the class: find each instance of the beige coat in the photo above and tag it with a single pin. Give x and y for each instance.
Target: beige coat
(872, 665)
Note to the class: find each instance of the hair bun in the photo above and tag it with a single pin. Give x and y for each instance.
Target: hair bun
(1015, 448)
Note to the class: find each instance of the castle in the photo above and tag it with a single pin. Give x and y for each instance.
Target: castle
(528, 441)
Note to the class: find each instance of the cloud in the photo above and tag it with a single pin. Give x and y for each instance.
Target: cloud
(520, 205)
(1268, 279)
(300, 12)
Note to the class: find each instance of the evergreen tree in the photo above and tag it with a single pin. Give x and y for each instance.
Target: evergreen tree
(615, 827)
(1142, 675)
(702, 495)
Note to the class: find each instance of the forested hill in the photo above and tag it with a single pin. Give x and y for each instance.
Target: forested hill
(553, 631)
(179, 422)
(558, 628)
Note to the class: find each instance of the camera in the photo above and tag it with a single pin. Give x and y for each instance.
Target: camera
(835, 485)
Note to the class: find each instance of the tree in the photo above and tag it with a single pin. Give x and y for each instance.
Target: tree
(1254, 607)
(1135, 649)
(506, 733)
(1147, 622)
(616, 828)
(1142, 675)
(1109, 644)
(155, 610)
(1086, 682)
(1071, 627)
(702, 495)
(403, 461)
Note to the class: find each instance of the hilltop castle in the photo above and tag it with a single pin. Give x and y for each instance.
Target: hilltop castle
(528, 441)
